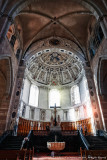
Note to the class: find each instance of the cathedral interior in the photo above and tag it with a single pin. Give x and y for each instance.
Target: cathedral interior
(53, 78)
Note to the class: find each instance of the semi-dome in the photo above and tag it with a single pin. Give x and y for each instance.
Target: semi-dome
(54, 66)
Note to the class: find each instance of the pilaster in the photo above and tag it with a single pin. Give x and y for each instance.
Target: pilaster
(15, 101)
(93, 98)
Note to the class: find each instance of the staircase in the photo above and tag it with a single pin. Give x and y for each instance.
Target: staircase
(40, 143)
(97, 142)
(71, 143)
(11, 143)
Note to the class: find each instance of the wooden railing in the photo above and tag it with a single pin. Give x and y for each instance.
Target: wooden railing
(25, 126)
(84, 140)
(86, 123)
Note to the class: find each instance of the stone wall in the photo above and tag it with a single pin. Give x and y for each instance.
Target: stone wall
(8, 72)
(101, 54)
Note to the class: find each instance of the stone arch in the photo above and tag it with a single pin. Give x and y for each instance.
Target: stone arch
(102, 88)
(45, 43)
(96, 10)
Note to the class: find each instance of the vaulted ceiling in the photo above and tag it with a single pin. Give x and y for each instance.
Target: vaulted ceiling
(65, 19)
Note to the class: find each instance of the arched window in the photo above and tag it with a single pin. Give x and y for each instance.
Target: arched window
(33, 97)
(75, 95)
(54, 98)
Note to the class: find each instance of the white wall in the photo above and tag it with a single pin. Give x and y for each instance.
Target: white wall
(25, 91)
(65, 98)
(48, 115)
(74, 113)
(43, 98)
(83, 90)
(27, 112)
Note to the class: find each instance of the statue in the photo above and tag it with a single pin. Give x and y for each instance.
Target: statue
(54, 120)
(58, 121)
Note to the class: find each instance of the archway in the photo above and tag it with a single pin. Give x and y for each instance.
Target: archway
(102, 81)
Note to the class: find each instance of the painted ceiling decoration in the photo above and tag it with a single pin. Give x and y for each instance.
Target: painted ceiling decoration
(54, 67)
(53, 42)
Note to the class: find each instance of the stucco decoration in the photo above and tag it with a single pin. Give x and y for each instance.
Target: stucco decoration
(54, 66)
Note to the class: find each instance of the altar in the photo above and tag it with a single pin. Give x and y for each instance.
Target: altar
(55, 129)
(55, 145)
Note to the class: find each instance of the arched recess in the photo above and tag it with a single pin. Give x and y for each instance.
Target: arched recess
(5, 86)
(102, 88)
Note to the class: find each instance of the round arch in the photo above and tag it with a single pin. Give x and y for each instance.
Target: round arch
(102, 77)
(89, 4)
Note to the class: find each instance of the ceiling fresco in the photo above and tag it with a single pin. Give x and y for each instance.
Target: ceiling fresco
(54, 67)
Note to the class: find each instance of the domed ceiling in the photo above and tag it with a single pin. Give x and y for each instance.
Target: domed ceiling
(54, 67)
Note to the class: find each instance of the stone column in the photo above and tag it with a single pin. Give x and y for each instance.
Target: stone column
(94, 101)
(15, 100)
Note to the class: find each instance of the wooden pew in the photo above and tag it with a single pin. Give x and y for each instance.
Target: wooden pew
(12, 154)
(82, 153)
(29, 154)
(93, 154)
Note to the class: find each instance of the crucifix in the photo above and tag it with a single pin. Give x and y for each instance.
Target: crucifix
(55, 111)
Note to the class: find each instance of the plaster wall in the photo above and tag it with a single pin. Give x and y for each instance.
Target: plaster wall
(67, 112)
(83, 90)
(48, 115)
(65, 98)
(37, 114)
(26, 89)
(43, 98)
(27, 112)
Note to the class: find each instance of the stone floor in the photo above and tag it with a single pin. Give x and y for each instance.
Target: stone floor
(64, 156)
(57, 158)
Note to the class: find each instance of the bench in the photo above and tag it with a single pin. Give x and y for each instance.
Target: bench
(93, 154)
(12, 154)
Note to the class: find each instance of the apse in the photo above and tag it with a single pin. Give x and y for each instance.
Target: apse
(54, 76)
